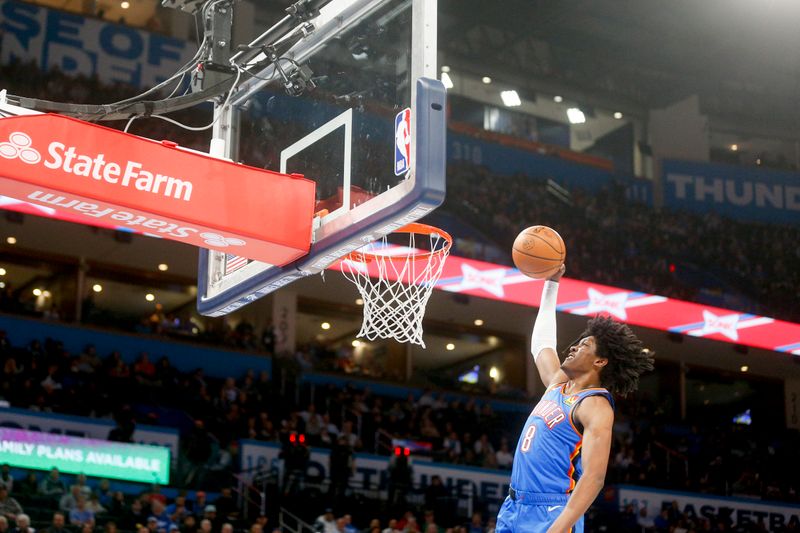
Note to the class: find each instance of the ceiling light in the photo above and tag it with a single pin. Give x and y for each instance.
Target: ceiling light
(11, 240)
(478, 322)
(149, 297)
(617, 115)
(744, 368)
(163, 267)
(2, 284)
(325, 325)
(487, 80)
(575, 116)
(125, 5)
(446, 81)
(97, 287)
(734, 147)
(2, 271)
(494, 373)
(37, 292)
(445, 68)
(450, 347)
(510, 98)
(356, 343)
(359, 301)
(558, 99)
(46, 294)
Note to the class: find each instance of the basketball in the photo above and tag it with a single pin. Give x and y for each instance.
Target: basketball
(538, 252)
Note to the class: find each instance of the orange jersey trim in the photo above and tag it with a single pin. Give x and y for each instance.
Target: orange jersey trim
(571, 471)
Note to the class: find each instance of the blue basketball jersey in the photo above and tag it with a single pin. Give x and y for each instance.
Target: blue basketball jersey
(548, 455)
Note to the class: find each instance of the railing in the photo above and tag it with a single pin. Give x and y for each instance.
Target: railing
(383, 442)
(671, 456)
(251, 489)
(291, 523)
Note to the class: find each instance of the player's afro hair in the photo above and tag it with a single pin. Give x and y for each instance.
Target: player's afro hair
(627, 357)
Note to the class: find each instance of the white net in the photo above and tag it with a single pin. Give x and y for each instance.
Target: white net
(396, 282)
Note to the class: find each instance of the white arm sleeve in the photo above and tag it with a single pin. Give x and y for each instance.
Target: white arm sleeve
(544, 328)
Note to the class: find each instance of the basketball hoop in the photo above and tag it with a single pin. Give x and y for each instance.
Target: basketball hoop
(396, 281)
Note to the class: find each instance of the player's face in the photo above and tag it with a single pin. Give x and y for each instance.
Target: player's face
(581, 356)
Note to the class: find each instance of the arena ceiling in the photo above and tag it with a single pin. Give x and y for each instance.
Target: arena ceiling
(742, 57)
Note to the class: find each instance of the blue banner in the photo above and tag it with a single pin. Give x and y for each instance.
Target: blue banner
(743, 193)
(185, 357)
(508, 160)
(90, 47)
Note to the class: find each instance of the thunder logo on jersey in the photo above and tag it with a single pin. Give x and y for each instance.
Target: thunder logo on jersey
(550, 412)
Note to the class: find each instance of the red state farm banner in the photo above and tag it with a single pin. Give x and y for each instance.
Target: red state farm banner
(114, 178)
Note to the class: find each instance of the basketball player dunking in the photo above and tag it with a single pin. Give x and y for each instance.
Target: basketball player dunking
(562, 454)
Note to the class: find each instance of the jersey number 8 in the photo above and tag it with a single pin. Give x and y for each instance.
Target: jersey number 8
(526, 440)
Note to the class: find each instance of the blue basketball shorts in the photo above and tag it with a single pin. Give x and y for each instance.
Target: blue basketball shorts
(518, 517)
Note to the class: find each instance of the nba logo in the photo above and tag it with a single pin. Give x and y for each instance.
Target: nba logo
(402, 142)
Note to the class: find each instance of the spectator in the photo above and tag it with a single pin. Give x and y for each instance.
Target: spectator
(57, 525)
(104, 493)
(94, 505)
(70, 500)
(374, 526)
(9, 507)
(23, 524)
(313, 421)
(400, 479)
(80, 482)
(189, 524)
(348, 526)
(476, 524)
(159, 513)
(326, 523)
(52, 486)
(177, 510)
(504, 457)
(4, 525)
(136, 513)
(117, 507)
(436, 497)
(29, 486)
(5, 477)
(198, 506)
(341, 468)
(81, 515)
(210, 514)
(391, 527)
(226, 505)
(205, 526)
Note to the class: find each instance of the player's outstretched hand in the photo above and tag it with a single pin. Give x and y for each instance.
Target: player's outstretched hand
(557, 275)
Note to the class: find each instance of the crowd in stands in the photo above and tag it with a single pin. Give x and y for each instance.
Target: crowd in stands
(650, 449)
(610, 240)
(617, 242)
(621, 244)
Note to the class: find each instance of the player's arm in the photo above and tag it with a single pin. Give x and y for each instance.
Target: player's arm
(597, 418)
(543, 339)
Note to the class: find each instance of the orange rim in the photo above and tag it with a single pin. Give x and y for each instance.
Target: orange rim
(414, 227)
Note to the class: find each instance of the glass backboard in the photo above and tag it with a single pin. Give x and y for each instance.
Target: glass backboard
(366, 122)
